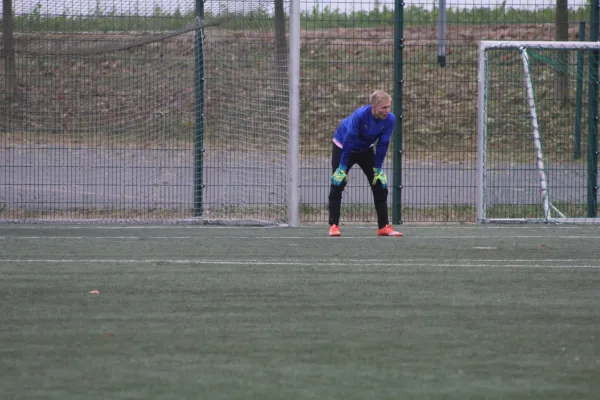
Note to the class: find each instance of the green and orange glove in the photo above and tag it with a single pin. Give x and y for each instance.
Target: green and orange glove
(380, 176)
(339, 175)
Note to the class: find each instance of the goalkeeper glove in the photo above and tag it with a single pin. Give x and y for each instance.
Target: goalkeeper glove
(380, 176)
(339, 176)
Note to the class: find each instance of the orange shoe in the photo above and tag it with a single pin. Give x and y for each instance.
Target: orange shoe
(388, 231)
(334, 230)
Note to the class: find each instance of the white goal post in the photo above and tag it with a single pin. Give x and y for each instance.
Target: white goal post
(528, 186)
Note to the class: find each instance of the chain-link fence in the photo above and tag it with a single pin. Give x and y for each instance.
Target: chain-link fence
(129, 110)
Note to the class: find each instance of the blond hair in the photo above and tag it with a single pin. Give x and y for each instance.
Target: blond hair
(378, 96)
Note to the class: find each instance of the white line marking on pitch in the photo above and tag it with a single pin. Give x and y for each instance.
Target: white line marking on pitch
(308, 237)
(278, 261)
(199, 226)
(475, 263)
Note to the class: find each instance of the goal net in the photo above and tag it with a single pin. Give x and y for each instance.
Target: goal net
(171, 118)
(246, 103)
(537, 145)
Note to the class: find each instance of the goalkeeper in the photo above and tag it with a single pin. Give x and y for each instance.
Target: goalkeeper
(363, 138)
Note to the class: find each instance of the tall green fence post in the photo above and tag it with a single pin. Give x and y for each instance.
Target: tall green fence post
(397, 109)
(579, 95)
(199, 113)
(592, 186)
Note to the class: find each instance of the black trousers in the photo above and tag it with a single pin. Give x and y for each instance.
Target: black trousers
(365, 160)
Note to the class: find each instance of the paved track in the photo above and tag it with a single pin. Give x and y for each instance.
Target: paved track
(62, 178)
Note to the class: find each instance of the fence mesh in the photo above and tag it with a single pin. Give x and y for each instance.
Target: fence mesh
(97, 136)
(97, 124)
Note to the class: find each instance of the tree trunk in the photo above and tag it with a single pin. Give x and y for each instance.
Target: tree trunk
(562, 34)
(281, 48)
(8, 52)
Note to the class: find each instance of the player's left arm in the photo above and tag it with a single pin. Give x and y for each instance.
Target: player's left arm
(383, 143)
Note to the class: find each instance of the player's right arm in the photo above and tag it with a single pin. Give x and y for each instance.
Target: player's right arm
(351, 125)
(352, 135)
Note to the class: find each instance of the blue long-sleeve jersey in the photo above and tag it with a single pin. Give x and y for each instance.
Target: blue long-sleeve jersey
(361, 130)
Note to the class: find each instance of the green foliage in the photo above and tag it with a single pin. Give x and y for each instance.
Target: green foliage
(317, 18)
(100, 20)
(418, 15)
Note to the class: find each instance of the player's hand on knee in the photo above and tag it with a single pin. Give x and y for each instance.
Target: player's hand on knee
(339, 176)
(380, 176)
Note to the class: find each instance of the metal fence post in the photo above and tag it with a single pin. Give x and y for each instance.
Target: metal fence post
(441, 33)
(397, 109)
(579, 95)
(199, 113)
(294, 117)
(592, 159)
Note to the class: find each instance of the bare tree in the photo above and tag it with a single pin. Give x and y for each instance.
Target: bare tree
(8, 47)
(281, 49)
(562, 34)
